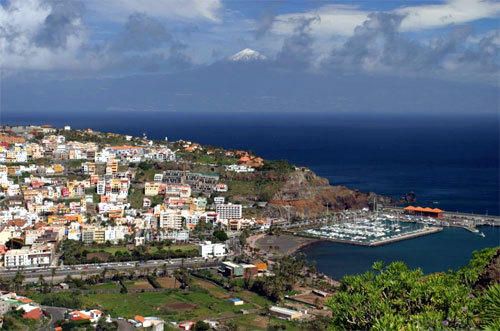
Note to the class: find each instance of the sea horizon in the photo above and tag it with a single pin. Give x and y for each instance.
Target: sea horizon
(448, 162)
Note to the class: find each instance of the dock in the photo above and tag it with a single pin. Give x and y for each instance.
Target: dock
(458, 219)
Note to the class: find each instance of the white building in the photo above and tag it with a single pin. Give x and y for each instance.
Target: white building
(171, 219)
(35, 256)
(115, 233)
(181, 191)
(239, 168)
(101, 187)
(208, 249)
(219, 200)
(175, 235)
(229, 211)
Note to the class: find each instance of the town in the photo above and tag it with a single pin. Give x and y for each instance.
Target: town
(89, 218)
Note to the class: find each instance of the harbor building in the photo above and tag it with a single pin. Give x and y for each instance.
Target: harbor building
(421, 211)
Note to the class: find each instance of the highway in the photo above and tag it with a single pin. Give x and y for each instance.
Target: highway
(97, 268)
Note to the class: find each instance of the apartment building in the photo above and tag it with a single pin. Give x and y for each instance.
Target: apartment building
(34, 256)
(228, 211)
(174, 235)
(171, 219)
(92, 235)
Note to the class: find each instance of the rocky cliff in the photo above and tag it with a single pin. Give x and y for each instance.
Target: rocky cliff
(306, 195)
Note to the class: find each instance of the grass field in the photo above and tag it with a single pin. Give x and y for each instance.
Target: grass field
(109, 286)
(138, 285)
(204, 300)
(170, 305)
(168, 282)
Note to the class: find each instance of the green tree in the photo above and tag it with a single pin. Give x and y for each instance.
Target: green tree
(490, 306)
(43, 284)
(18, 280)
(201, 326)
(220, 235)
(395, 297)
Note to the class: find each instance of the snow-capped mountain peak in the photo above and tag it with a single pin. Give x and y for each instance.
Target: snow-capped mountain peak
(247, 55)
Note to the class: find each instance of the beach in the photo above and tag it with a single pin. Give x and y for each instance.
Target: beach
(284, 244)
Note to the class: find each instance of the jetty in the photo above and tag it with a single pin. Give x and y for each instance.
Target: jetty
(468, 221)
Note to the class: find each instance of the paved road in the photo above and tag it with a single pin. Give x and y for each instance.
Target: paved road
(92, 269)
(56, 314)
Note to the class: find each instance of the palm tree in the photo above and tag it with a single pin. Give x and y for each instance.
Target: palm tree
(103, 274)
(18, 280)
(52, 274)
(42, 284)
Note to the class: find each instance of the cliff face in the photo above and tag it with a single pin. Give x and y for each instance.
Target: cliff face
(305, 195)
(491, 274)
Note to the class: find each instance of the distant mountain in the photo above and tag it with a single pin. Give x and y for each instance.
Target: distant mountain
(247, 55)
(241, 85)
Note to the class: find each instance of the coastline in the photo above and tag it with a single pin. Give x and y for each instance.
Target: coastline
(285, 244)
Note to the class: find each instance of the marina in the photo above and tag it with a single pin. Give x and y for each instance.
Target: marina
(368, 232)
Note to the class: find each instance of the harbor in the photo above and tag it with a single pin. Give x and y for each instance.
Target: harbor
(368, 232)
(387, 225)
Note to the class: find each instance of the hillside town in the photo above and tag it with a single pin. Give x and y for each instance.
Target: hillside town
(86, 209)
(105, 231)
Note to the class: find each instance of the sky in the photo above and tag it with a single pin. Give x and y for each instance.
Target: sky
(417, 43)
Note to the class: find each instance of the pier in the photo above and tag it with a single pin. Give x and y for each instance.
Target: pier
(458, 219)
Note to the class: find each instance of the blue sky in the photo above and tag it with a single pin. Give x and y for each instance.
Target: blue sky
(455, 41)
(83, 35)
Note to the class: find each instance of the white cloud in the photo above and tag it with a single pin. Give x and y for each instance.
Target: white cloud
(118, 10)
(341, 20)
(20, 22)
(333, 20)
(452, 12)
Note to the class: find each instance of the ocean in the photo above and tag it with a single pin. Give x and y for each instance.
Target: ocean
(448, 161)
(449, 249)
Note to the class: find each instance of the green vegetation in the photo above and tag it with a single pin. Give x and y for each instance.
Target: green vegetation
(136, 197)
(59, 299)
(194, 303)
(394, 297)
(286, 274)
(74, 252)
(262, 189)
(97, 137)
(13, 320)
(144, 175)
(220, 235)
(280, 166)
(75, 325)
(218, 158)
(73, 164)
